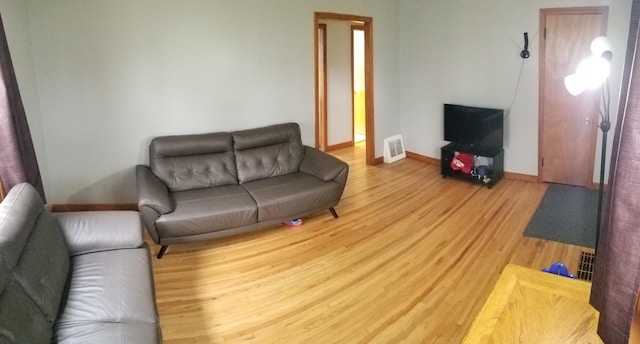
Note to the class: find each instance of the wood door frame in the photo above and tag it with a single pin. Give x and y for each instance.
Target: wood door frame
(367, 23)
(596, 10)
(321, 116)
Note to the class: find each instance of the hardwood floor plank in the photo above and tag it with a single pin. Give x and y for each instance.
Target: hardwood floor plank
(412, 258)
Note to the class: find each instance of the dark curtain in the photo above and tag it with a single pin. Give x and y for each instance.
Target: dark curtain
(616, 278)
(17, 156)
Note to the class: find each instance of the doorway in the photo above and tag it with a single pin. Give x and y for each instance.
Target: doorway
(357, 84)
(323, 88)
(568, 125)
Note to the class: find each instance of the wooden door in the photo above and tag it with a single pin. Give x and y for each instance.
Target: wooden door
(568, 124)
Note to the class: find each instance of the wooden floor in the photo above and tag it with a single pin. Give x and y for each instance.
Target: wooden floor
(412, 259)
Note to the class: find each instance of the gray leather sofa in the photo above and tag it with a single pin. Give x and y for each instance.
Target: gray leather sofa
(215, 185)
(78, 277)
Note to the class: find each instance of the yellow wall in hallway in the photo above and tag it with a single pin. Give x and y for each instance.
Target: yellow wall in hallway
(358, 113)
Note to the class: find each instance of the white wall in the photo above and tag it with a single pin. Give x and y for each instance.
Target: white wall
(99, 79)
(467, 52)
(339, 88)
(113, 74)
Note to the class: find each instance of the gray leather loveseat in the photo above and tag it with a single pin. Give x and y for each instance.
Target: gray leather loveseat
(216, 185)
(79, 277)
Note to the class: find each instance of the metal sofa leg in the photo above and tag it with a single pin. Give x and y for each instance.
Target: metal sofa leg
(162, 250)
(333, 212)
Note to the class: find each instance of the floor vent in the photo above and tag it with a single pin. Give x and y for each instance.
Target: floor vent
(393, 149)
(585, 267)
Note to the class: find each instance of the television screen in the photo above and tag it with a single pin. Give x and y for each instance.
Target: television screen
(473, 126)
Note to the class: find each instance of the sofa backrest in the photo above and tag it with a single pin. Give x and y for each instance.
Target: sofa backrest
(268, 151)
(187, 162)
(34, 266)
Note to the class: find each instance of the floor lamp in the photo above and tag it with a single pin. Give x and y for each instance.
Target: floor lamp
(592, 73)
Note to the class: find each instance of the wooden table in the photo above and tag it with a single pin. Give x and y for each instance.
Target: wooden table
(530, 306)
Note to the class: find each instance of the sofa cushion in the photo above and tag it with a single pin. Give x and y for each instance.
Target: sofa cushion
(268, 151)
(292, 194)
(113, 287)
(189, 162)
(19, 212)
(44, 266)
(21, 320)
(206, 210)
(91, 231)
(33, 249)
(110, 333)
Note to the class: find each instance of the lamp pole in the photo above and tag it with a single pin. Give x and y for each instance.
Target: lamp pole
(605, 125)
(591, 73)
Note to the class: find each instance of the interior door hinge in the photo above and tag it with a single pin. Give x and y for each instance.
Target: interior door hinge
(542, 162)
(544, 34)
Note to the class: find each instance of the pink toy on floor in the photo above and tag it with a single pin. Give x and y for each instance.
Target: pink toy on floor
(294, 223)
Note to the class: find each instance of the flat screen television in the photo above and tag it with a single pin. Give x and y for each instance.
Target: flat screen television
(473, 126)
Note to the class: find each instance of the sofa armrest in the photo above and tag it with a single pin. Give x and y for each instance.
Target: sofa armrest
(324, 166)
(152, 192)
(92, 231)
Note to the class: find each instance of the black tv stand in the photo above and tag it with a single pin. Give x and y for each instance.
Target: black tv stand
(495, 158)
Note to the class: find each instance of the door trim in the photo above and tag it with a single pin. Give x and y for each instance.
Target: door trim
(367, 23)
(321, 111)
(596, 10)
